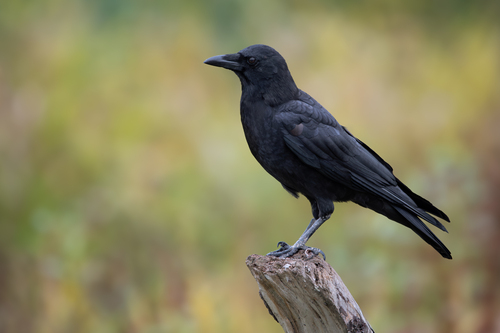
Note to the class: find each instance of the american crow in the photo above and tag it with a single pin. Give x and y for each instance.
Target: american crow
(301, 144)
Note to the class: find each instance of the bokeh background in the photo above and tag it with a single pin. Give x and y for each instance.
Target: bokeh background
(129, 199)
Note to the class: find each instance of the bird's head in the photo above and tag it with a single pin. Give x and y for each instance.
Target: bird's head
(259, 66)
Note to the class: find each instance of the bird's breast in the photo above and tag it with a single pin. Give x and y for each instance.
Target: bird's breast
(263, 136)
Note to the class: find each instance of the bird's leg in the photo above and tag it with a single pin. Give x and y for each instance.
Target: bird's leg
(310, 224)
(284, 246)
(286, 250)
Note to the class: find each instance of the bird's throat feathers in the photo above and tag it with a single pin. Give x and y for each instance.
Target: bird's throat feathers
(273, 90)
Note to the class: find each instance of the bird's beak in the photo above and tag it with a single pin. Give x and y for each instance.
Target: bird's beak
(228, 61)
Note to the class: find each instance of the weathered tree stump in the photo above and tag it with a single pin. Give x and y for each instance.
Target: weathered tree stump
(306, 295)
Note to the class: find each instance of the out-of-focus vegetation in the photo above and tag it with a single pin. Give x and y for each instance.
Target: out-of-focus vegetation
(128, 197)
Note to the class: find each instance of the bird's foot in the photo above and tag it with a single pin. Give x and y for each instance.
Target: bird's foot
(286, 251)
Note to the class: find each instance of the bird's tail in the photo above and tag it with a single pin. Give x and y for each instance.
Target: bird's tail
(414, 223)
(421, 202)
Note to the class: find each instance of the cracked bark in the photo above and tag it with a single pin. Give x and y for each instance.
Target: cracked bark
(306, 296)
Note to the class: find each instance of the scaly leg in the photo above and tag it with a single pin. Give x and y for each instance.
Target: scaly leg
(286, 250)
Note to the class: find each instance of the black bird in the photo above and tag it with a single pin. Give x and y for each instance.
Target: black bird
(301, 144)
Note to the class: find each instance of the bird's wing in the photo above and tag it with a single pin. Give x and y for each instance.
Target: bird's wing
(314, 135)
(321, 142)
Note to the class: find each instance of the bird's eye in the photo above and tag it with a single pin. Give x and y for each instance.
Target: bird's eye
(252, 61)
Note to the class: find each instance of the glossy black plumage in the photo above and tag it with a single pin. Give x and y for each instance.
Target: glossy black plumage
(301, 144)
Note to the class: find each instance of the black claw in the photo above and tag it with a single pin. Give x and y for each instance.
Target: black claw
(282, 245)
(286, 251)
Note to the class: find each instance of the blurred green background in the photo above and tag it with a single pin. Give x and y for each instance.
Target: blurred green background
(129, 199)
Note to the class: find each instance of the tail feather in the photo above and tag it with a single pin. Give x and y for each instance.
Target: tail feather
(399, 196)
(422, 203)
(414, 223)
(429, 218)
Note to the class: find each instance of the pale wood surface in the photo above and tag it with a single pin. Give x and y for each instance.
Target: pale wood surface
(306, 296)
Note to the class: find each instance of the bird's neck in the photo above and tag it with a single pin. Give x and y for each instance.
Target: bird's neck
(274, 92)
